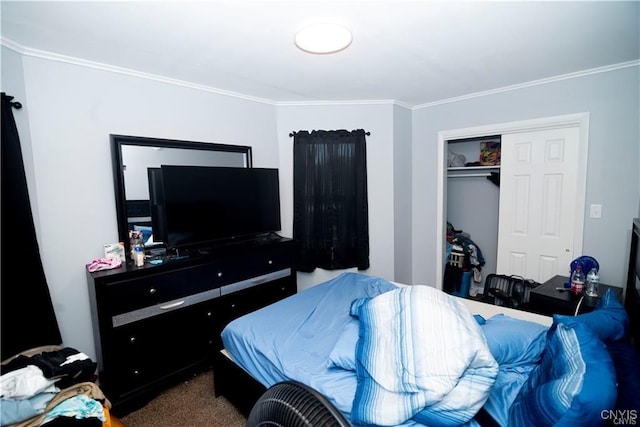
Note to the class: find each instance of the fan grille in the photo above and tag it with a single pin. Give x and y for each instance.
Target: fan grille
(292, 404)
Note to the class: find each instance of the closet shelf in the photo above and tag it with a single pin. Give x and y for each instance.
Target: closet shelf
(467, 168)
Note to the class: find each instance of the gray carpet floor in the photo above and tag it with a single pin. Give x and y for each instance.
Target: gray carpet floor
(191, 403)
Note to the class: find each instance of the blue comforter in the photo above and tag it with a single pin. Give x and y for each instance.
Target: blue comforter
(420, 355)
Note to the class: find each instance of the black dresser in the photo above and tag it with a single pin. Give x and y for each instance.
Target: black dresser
(157, 324)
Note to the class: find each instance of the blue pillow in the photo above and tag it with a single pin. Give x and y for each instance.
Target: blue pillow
(343, 354)
(608, 320)
(574, 383)
(514, 342)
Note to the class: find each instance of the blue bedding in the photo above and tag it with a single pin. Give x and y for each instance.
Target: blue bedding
(420, 355)
(294, 338)
(507, 386)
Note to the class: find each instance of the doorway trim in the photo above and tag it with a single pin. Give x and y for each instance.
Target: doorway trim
(580, 120)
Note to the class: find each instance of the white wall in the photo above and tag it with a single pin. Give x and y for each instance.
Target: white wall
(402, 186)
(612, 100)
(72, 110)
(376, 119)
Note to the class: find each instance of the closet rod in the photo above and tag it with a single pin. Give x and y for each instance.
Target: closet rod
(469, 175)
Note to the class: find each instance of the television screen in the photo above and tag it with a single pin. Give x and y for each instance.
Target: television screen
(203, 205)
(156, 203)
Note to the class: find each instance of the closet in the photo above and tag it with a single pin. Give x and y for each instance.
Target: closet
(473, 197)
(527, 212)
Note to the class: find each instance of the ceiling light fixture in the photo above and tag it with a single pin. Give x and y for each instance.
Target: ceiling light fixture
(323, 38)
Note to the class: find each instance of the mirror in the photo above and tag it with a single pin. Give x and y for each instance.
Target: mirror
(136, 161)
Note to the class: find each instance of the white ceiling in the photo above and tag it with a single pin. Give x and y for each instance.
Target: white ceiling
(410, 52)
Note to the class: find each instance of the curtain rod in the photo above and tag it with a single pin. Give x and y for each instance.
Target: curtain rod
(292, 134)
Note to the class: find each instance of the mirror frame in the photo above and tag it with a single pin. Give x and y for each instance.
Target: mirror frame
(118, 141)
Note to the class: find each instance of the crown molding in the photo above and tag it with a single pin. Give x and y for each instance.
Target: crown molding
(334, 103)
(125, 71)
(532, 83)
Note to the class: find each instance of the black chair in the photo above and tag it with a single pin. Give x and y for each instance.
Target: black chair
(509, 291)
(293, 404)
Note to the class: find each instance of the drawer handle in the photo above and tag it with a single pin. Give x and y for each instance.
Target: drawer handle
(172, 305)
(220, 274)
(132, 340)
(270, 262)
(152, 291)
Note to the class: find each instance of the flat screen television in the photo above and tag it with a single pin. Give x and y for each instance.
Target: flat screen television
(206, 205)
(156, 204)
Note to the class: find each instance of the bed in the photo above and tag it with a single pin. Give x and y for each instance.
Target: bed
(362, 342)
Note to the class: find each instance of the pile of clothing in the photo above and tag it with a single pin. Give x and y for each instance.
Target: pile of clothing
(51, 385)
(459, 241)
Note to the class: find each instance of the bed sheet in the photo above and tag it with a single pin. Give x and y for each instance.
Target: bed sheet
(292, 338)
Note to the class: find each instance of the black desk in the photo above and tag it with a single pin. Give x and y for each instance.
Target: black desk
(545, 299)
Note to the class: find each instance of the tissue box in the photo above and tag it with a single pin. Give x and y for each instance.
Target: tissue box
(114, 250)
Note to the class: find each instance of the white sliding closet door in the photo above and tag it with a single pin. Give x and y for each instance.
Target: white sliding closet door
(538, 182)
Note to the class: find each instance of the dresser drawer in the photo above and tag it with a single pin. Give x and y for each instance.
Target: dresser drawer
(268, 261)
(123, 296)
(219, 273)
(244, 301)
(236, 269)
(151, 311)
(147, 350)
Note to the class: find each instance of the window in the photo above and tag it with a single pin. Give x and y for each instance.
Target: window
(330, 219)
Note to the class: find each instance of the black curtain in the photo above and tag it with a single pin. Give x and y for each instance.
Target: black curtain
(27, 316)
(330, 218)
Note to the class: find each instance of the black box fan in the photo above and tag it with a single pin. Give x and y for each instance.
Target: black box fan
(293, 404)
